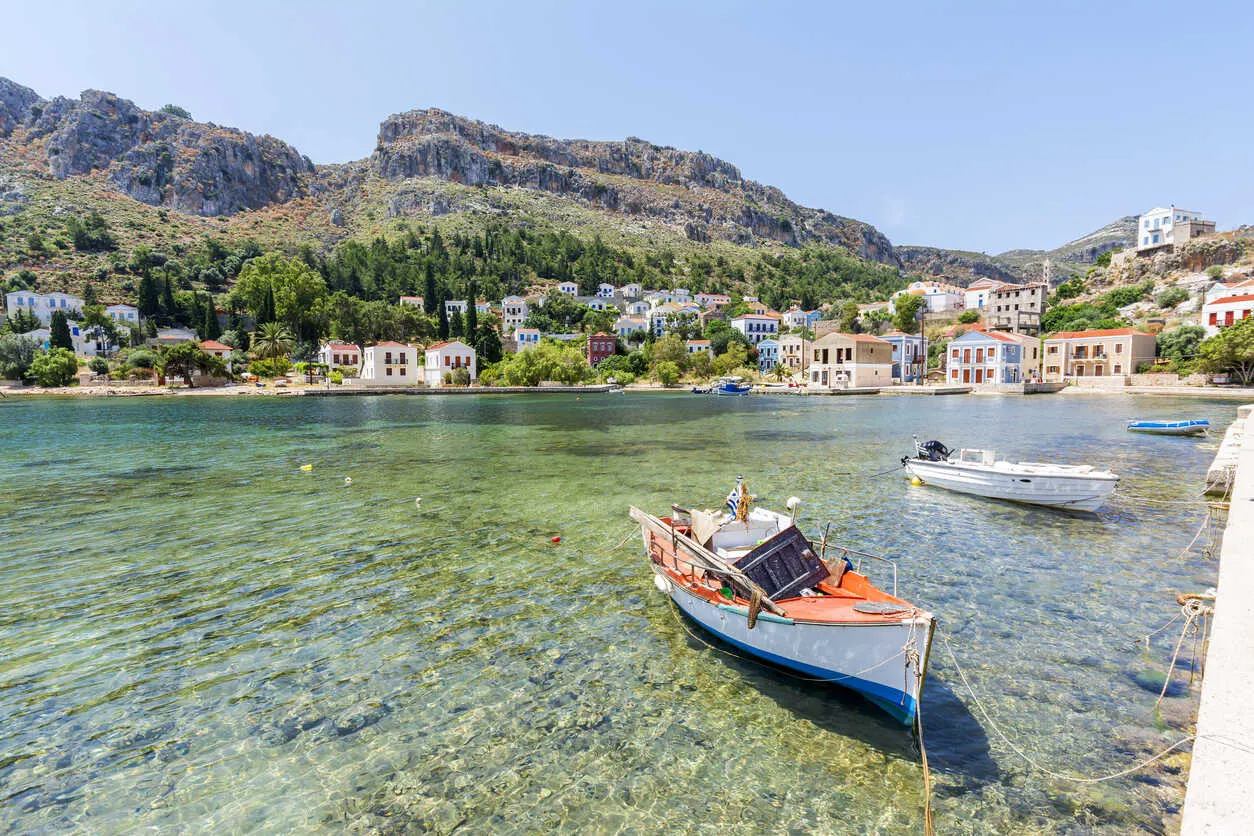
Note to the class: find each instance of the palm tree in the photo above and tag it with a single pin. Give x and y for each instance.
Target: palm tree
(272, 340)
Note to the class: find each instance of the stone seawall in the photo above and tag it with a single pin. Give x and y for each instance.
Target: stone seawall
(1219, 798)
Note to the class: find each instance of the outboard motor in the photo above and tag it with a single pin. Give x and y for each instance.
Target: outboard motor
(934, 451)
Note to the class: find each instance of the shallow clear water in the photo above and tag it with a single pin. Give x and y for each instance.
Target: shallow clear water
(194, 634)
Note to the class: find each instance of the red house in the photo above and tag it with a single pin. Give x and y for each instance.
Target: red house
(600, 346)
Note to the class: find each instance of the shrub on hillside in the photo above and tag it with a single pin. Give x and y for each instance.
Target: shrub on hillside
(1171, 297)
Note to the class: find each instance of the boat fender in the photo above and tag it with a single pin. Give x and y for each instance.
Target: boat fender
(662, 584)
(418, 501)
(555, 539)
(916, 481)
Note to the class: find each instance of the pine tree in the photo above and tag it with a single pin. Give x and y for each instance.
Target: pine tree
(60, 332)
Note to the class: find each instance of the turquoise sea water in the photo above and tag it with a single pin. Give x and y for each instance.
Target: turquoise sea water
(196, 635)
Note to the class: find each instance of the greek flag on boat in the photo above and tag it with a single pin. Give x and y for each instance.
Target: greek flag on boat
(733, 498)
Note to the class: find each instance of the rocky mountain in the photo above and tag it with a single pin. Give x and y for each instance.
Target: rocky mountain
(161, 159)
(704, 196)
(425, 163)
(957, 266)
(1068, 260)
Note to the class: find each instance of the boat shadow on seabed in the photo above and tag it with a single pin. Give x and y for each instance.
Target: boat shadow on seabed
(957, 745)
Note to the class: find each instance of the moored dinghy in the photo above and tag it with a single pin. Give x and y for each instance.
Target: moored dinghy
(1189, 427)
(979, 472)
(751, 577)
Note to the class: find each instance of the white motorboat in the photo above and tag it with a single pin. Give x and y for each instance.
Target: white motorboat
(980, 472)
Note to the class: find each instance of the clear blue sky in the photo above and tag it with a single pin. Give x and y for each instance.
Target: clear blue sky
(983, 126)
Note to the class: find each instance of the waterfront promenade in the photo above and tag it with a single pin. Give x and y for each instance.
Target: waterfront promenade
(1218, 799)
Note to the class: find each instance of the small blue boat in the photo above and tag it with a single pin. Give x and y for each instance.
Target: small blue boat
(731, 386)
(1191, 427)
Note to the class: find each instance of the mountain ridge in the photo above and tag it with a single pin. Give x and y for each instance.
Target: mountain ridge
(431, 163)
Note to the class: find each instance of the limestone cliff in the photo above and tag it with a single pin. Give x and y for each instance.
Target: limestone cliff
(155, 157)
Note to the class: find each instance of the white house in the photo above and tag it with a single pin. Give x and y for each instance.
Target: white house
(631, 291)
(82, 345)
(698, 346)
(514, 310)
(938, 296)
(712, 300)
(682, 294)
(526, 338)
(625, 326)
(412, 301)
(1156, 227)
(794, 317)
(123, 314)
(443, 358)
(42, 305)
(569, 288)
(455, 307)
(391, 364)
(339, 354)
(768, 355)
(757, 327)
(637, 308)
(601, 303)
(1226, 310)
(605, 291)
(976, 294)
(483, 308)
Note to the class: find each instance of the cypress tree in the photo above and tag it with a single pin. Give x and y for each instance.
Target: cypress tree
(212, 329)
(168, 308)
(89, 296)
(60, 332)
(472, 315)
(430, 299)
(149, 296)
(442, 324)
(266, 314)
(456, 324)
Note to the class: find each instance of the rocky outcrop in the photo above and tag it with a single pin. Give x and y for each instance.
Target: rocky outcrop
(158, 158)
(955, 266)
(16, 102)
(700, 194)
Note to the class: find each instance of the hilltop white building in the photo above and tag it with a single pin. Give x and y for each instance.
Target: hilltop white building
(1159, 226)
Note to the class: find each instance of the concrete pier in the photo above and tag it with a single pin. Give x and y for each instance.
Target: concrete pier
(1220, 797)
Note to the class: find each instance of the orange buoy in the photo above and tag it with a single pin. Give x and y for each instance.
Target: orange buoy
(555, 539)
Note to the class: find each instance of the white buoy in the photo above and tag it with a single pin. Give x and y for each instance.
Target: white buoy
(662, 584)
(348, 480)
(418, 501)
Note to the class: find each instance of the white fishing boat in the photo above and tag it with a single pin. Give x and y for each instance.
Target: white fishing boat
(752, 578)
(980, 472)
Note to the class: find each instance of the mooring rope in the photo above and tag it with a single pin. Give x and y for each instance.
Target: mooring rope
(1078, 779)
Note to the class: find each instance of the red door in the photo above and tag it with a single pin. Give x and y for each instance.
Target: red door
(966, 375)
(979, 375)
